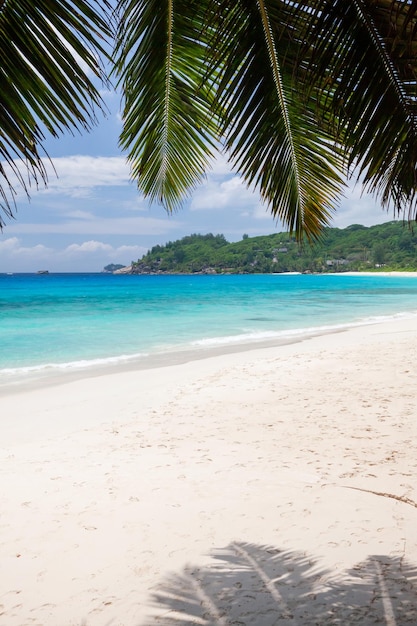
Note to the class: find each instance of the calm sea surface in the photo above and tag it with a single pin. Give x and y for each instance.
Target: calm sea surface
(58, 322)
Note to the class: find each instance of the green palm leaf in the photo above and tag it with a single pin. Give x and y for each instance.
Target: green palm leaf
(169, 128)
(44, 87)
(271, 127)
(192, 71)
(300, 93)
(364, 57)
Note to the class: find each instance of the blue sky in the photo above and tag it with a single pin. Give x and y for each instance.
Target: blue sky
(91, 214)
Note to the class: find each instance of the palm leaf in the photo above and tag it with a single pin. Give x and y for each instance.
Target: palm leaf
(168, 127)
(271, 129)
(213, 67)
(364, 57)
(44, 87)
(299, 91)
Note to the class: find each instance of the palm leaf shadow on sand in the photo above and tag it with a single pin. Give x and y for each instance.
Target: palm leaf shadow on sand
(255, 585)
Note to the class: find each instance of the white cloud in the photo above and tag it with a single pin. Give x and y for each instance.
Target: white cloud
(86, 172)
(93, 247)
(77, 175)
(87, 247)
(231, 194)
(262, 212)
(87, 256)
(358, 207)
(9, 244)
(220, 166)
(134, 251)
(13, 248)
(225, 191)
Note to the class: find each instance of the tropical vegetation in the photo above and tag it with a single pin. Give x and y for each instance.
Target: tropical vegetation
(296, 94)
(389, 246)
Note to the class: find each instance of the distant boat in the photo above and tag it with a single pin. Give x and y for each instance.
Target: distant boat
(42, 272)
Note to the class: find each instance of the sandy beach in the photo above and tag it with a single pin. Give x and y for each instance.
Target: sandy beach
(272, 486)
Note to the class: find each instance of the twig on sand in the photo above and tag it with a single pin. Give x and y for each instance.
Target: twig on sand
(385, 495)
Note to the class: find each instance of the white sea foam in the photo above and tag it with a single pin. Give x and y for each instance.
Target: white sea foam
(241, 338)
(72, 365)
(250, 337)
(258, 336)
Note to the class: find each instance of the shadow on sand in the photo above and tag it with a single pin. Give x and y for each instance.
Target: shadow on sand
(254, 585)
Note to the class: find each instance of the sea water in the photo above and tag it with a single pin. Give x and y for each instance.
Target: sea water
(55, 322)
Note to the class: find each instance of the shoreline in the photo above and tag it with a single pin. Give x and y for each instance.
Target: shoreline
(404, 273)
(103, 351)
(341, 273)
(277, 482)
(50, 376)
(44, 376)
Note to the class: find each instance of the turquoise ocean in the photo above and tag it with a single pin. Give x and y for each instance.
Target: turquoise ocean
(50, 323)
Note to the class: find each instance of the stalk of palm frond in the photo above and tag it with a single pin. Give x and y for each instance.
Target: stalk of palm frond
(48, 50)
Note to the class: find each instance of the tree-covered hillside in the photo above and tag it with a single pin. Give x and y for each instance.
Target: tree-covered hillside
(390, 246)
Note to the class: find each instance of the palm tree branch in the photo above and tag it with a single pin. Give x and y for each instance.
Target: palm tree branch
(273, 136)
(48, 51)
(364, 54)
(169, 129)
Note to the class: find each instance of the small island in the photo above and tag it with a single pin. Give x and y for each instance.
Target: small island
(112, 268)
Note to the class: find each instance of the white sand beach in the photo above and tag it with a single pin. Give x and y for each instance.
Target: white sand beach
(273, 486)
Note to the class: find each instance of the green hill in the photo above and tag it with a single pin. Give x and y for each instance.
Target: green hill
(390, 246)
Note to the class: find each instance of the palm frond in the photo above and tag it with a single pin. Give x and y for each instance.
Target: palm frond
(272, 130)
(169, 130)
(299, 91)
(364, 57)
(49, 49)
